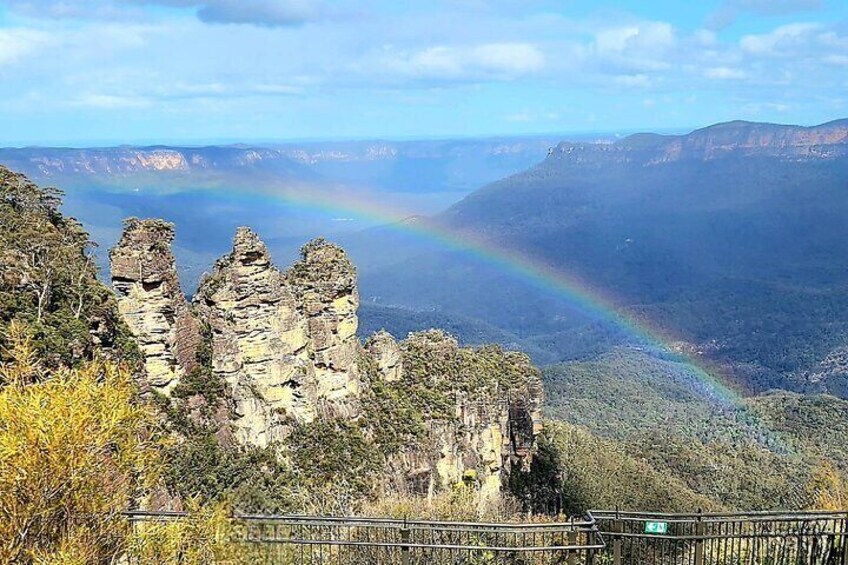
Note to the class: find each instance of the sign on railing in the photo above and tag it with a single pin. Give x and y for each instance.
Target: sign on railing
(753, 538)
(656, 528)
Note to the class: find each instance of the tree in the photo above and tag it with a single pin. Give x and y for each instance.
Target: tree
(48, 278)
(827, 488)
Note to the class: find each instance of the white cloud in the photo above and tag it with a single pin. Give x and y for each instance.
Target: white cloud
(724, 73)
(111, 102)
(644, 36)
(18, 43)
(705, 37)
(643, 46)
(493, 60)
(527, 116)
(758, 108)
(836, 60)
(638, 80)
(781, 39)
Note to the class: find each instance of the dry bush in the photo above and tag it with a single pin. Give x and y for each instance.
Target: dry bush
(460, 504)
(827, 488)
(75, 451)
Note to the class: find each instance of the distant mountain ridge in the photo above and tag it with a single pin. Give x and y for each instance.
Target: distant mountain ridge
(459, 164)
(825, 141)
(286, 190)
(731, 238)
(50, 162)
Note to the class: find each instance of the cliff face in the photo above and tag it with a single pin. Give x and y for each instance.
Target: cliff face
(483, 410)
(285, 346)
(259, 342)
(285, 343)
(324, 281)
(794, 143)
(152, 304)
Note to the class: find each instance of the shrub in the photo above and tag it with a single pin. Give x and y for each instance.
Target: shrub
(75, 451)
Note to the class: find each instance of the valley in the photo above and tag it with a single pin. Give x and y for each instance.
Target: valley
(720, 249)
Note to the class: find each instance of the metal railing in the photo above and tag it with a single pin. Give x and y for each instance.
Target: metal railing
(602, 538)
(751, 538)
(296, 540)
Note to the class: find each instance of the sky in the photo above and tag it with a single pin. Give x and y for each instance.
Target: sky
(104, 72)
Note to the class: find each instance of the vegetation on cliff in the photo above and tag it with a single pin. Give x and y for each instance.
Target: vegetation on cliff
(48, 278)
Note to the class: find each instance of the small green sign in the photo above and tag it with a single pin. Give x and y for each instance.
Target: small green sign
(656, 527)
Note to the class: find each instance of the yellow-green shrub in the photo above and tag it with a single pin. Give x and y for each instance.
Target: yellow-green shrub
(75, 451)
(206, 536)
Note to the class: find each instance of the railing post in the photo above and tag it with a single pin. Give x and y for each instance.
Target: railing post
(844, 537)
(699, 541)
(572, 541)
(617, 528)
(404, 538)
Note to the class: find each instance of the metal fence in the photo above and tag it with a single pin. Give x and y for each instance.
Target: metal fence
(602, 538)
(753, 538)
(301, 540)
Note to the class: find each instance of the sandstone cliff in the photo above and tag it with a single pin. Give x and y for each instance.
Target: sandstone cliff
(733, 139)
(284, 345)
(481, 410)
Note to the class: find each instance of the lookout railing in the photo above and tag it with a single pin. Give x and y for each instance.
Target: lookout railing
(755, 538)
(601, 538)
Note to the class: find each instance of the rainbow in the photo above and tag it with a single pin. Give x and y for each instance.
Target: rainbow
(537, 273)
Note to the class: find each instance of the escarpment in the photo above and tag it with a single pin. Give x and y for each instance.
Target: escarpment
(284, 345)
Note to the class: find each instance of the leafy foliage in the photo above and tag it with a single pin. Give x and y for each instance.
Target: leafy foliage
(75, 450)
(206, 535)
(577, 471)
(760, 454)
(49, 278)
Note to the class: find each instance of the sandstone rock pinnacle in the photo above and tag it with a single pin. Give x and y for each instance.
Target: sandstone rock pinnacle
(151, 302)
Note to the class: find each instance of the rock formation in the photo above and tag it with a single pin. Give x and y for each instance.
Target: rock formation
(150, 300)
(491, 422)
(285, 345)
(324, 281)
(259, 342)
(387, 354)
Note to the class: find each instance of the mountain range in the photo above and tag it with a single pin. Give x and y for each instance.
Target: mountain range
(730, 239)
(726, 240)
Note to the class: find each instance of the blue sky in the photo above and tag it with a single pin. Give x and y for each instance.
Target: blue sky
(89, 72)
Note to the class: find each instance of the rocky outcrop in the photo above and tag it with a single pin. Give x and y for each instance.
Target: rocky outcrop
(324, 281)
(387, 355)
(284, 342)
(284, 345)
(150, 300)
(493, 412)
(259, 342)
